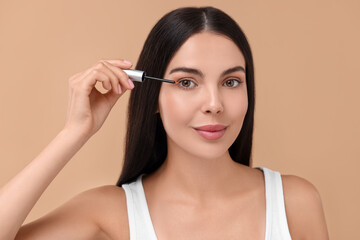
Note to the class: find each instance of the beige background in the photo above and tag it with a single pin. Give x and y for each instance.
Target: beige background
(307, 103)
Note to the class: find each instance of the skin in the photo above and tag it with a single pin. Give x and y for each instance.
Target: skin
(192, 187)
(194, 181)
(202, 166)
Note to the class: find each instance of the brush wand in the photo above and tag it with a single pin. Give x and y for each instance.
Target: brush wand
(159, 79)
(140, 76)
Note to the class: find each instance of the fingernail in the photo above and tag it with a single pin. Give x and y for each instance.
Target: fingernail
(127, 62)
(131, 83)
(119, 89)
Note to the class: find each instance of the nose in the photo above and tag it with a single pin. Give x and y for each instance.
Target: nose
(212, 102)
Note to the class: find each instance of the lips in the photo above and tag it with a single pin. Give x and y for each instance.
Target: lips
(211, 132)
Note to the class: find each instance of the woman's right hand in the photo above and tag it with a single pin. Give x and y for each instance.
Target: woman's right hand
(87, 111)
(88, 107)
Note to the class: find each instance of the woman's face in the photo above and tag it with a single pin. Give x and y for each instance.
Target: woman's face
(203, 113)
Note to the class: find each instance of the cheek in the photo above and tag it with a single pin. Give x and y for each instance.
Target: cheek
(174, 108)
(236, 106)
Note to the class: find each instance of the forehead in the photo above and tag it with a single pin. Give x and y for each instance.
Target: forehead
(207, 50)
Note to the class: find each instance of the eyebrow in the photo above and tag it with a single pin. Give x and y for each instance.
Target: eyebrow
(198, 72)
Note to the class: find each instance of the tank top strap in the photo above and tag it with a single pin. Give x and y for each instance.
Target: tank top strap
(140, 223)
(276, 221)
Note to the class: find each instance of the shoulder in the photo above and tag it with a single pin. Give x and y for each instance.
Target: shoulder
(103, 198)
(108, 205)
(298, 186)
(98, 213)
(304, 208)
(102, 193)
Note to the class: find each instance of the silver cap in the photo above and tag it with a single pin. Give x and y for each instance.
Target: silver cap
(135, 75)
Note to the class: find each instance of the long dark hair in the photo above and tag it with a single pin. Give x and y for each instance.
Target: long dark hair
(146, 146)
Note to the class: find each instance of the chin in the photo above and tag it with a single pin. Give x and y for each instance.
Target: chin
(198, 148)
(209, 152)
(213, 156)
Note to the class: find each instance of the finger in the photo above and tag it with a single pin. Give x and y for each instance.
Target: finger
(106, 69)
(96, 75)
(121, 75)
(112, 97)
(117, 63)
(121, 63)
(80, 75)
(100, 76)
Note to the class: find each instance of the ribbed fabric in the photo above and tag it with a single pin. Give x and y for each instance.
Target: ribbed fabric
(141, 227)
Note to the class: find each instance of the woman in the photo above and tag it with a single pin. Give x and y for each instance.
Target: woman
(188, 149)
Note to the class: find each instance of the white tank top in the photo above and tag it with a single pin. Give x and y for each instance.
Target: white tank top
(141, 227)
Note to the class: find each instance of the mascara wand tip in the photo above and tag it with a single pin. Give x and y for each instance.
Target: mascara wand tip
(160, 79)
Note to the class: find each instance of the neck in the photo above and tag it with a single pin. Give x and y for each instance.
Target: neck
(197, 178)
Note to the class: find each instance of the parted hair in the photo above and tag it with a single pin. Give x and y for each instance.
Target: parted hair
(146, 144)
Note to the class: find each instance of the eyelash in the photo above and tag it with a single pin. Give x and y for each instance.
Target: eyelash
(191, 81)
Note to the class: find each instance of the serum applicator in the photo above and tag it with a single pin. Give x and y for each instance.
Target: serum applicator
(140, 76)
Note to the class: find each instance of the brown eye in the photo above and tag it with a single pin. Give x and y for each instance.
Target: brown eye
(231, 83)
(186, 84)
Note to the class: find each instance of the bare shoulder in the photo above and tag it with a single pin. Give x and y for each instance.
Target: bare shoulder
(102, 193)
(110, 211)
(304, 209)
(98, 213)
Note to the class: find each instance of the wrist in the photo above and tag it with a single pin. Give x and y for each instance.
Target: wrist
(75, 134)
